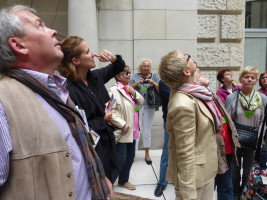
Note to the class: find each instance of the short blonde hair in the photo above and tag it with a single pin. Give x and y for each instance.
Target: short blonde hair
(142, 62)
(171, 69)
(249, 69)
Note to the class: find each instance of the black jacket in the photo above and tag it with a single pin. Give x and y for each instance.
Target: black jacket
(92, 98)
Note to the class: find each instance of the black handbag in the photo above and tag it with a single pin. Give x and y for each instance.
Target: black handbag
(247, 135)
(153, 98)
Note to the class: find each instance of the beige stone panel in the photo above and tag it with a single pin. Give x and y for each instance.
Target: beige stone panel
(5, 3)
(116, 4)
(48, 16)
(61, 24)
(181, 24)
(115, 25)
(156, 49)
(213, 55)
(212, 5)
(149, 24)
(236, 5)
(165, 4)
(220, 55)
(237, 54)
(236, 75)
(63, 5)
(207, 27)
(230, 27)
(45, 5)
(123, 48)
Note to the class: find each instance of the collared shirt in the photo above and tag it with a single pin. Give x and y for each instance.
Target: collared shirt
(136, 115)
(56, 84)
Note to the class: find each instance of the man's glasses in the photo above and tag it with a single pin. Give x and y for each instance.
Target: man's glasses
(188, 58)
(127, 73)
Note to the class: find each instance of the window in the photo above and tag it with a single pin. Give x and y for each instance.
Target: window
(256, 14)
(255, 50)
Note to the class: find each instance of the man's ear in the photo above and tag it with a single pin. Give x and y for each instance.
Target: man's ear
(17, 46)
(75, 61)
(186, 72)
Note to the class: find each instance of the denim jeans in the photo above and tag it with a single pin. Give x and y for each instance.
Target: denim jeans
(224, 182)
(164, 159)
(125, 155)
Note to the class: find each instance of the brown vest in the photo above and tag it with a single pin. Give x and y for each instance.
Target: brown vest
(40, 160)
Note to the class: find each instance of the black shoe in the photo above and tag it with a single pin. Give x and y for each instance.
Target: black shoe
(159, 190)
(148, 162)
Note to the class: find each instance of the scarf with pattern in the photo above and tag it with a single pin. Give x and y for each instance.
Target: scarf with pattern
(95, 171)
(206, 97)
(251, 102)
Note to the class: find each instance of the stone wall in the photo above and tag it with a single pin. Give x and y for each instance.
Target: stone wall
(211, 31)
(139, 29)
(220, 37)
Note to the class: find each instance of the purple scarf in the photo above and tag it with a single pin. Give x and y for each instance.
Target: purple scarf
(206, 97)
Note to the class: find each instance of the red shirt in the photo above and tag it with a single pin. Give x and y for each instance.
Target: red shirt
(226, 136)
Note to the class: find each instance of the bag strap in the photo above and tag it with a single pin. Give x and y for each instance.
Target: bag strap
(236, 103)
(258, 149)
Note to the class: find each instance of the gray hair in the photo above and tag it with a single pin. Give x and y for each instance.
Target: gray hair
(10, 26)
(142, 62)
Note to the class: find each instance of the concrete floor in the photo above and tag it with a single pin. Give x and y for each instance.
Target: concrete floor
(144, 178)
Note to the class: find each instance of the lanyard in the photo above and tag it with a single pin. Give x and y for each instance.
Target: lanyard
(250, 98)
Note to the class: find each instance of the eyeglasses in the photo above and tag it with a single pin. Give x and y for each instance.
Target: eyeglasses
(264, 77)
(127, 73)
(188, 58)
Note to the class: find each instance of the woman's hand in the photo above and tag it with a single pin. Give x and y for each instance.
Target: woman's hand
(130, 90)
(150, 81)
(138, 82)
(110, 188)
(105, 56)
(125, 128)
(108, 116)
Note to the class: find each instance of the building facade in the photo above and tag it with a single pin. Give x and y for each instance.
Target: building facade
(211, 31)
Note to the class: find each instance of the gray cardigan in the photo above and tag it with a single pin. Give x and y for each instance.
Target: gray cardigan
(255, 120)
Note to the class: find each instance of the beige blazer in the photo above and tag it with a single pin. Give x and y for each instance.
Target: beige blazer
(193, 160)
(119, 110)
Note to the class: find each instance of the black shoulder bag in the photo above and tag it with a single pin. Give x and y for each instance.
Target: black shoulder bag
(153, 98)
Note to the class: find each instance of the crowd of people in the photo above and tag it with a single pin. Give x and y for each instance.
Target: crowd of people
(57, 132)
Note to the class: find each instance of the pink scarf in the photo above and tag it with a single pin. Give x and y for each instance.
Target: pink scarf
(206, 97)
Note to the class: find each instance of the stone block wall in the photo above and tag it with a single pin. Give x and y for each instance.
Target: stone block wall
(211, 31)
(220, 37)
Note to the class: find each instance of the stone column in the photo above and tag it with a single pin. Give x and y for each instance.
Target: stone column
(82, 21)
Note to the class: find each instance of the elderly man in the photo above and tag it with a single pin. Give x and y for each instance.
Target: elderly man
(192, 123)
(45, 151)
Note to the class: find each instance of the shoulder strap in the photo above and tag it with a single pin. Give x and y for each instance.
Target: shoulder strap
(258, 149)
(236, 103)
